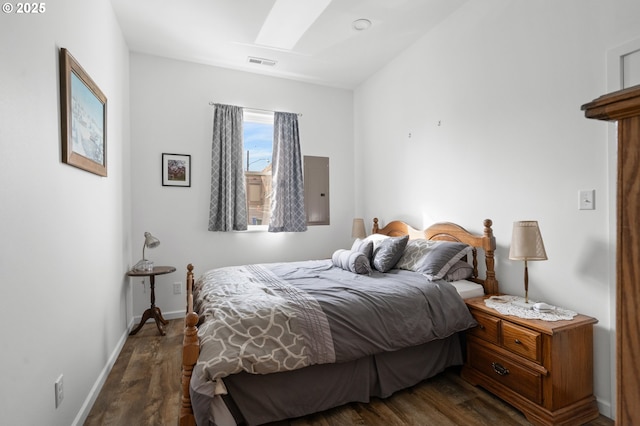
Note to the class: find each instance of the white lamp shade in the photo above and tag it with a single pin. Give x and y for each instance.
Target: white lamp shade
(357, 229)
(150, 241)
(526, 242)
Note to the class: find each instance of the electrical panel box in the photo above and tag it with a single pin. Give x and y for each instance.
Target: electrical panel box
(316, 190)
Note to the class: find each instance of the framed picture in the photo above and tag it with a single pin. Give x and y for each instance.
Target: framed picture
(176, 170)
(84, 118)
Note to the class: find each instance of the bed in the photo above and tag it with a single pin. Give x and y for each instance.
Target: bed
(376, 318)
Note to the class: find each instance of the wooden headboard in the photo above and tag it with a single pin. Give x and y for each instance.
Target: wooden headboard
(446, 231)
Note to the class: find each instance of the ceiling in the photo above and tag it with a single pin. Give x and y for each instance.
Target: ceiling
(330, 52)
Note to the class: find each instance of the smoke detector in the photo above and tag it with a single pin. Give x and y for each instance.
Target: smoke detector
(261, 61)
(361, 24)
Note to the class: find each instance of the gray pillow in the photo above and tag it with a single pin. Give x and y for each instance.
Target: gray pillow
(363, 246)
(415, 253)
(460, 270)
(387, 254)
(441, 257)
(352, 261)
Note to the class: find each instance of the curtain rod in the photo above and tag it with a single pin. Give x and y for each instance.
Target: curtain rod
(258, 109)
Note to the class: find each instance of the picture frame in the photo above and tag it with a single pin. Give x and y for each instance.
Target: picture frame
(83, 118)
(176, 170)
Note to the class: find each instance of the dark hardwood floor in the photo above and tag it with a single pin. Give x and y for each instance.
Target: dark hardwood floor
(143, 388)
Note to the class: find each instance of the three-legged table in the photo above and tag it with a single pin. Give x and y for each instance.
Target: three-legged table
(153, 311)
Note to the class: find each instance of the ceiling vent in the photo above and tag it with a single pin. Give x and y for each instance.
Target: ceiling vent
(261, 61)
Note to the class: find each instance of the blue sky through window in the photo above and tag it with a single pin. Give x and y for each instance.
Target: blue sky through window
(258, 145)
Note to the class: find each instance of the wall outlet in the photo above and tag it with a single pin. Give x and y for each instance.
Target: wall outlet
(59, 391)
(177, 288)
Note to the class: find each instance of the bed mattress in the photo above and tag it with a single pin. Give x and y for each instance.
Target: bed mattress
(467, 289)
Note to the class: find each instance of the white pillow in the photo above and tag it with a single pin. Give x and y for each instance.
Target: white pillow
(376, 239)
(353, 261)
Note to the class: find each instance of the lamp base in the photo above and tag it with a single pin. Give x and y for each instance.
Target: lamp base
(522, 304)
(143, 265)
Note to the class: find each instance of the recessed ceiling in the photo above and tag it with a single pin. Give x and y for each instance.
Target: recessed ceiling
(287, 22)
(322, 46)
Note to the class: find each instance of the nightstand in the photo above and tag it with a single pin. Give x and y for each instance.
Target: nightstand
(543, 368)
(153, 311)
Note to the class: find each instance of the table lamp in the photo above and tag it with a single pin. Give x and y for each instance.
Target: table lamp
(151, 242)
(357, 229)
(526, 244)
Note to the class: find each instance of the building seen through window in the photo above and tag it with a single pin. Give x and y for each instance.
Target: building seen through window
(258, 148)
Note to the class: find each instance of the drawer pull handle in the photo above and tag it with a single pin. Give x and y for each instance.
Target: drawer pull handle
(499, 369)
(518, 341)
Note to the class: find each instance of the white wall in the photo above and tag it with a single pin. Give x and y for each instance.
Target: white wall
(65, 233)
(504, 80)
(492, 100)
(170, 113)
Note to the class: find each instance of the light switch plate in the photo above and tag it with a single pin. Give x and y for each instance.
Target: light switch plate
(587, 199)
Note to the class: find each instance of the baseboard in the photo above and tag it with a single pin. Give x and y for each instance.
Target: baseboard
(605, 408)
(102, 378)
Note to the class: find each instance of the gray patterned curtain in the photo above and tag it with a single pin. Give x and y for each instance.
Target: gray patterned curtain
(287, 202)
(228, 208)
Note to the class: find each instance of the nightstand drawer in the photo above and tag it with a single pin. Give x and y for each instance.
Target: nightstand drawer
(522, 341)
(525, 382)
(487, 328)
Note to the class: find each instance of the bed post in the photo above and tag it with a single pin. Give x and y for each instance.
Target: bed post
(190, 352)
(375, 226)
(491, 283)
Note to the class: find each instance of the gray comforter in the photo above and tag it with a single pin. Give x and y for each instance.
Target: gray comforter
(285, 316)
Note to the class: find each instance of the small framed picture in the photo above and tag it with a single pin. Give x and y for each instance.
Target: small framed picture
(176, 170)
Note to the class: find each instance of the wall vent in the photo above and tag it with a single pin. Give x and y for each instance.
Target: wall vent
(261, 61)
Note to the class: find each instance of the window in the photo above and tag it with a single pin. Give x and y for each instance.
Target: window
(258, 148)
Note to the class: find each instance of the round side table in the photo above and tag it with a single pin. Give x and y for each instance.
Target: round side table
(153, 311)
